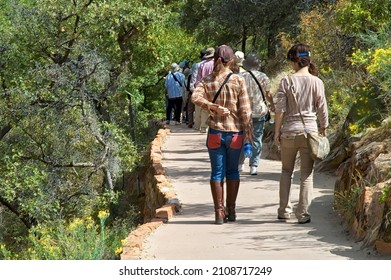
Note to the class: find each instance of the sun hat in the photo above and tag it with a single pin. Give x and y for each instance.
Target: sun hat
(174, 67)
(202, 53)
(251, 62)
(209, 53)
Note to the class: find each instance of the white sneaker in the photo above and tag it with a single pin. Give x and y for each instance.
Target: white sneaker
(253, 170)
(241, 167)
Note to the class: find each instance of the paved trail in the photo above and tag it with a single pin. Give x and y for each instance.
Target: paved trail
(257, 234)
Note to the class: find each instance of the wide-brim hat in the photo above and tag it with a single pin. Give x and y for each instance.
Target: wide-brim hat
(251, 62)
(209, 53)
(174, 67)
(202, 53)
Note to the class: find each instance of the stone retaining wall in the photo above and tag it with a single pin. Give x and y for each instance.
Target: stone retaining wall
(363, 189)
(160, 201)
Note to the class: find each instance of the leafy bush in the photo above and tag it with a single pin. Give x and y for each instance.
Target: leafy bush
(78, 239)
(75, 104)
(375, 59)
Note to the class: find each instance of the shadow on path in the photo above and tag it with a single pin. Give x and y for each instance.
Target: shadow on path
(256, 234)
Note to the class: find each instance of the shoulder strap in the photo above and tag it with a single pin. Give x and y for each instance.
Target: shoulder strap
(259, 85)
(176, 79)
(218, 92)
(188, 83)
(298, 106)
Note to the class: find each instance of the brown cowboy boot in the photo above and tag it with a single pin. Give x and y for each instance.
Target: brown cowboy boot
(218, 200)
(232, 193)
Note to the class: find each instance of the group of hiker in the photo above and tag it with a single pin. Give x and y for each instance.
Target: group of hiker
(227, 96)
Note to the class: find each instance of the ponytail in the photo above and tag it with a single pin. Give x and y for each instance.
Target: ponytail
(219, 66)
(313, 69)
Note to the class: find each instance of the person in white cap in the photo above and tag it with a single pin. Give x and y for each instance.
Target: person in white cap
(238, 66)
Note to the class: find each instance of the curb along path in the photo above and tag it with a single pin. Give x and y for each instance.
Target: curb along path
(256, 234)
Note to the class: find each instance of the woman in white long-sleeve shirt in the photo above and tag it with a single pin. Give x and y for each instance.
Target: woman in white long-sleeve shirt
(289, 129)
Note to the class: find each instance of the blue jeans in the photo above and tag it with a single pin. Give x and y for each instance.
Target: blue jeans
(224, 151)
(258, 127)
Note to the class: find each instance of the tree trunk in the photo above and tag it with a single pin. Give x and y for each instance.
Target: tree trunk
(131, 119)
(244, 38)
(271, 45)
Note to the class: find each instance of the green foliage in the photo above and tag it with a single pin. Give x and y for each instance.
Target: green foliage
(78, 239)
(384, 194)
(21, 187)
(340, 96)
(360, 16)
(123, 148)
(374, 58)
(352, 94)
(320, 30)
(81, 80)
(329, 50)
(78, 81)
(250, 26)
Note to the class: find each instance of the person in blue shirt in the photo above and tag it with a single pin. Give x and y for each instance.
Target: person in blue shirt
(175, 86)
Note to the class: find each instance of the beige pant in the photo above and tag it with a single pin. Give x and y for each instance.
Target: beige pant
(200, 117)
(290, 145)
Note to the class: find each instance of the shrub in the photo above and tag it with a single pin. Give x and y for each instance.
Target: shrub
(78, 239)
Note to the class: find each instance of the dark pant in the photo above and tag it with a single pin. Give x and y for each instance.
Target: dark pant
(190, 111)
(176, 104)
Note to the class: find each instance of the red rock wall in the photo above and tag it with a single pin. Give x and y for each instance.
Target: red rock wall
(160, 202)
(367, 170)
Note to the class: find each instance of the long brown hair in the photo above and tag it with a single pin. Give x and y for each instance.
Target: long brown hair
(301, 53)
(219, 66)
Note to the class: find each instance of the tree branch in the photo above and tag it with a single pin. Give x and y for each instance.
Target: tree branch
(4, 131)
(69, 165)
(26, 220)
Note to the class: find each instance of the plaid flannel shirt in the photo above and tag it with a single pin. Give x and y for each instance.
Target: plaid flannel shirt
(233, 96)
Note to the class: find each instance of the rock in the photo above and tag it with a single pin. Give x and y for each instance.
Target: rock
(367, 170)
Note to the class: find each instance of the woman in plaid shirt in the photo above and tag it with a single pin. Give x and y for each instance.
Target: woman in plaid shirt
(230, 125)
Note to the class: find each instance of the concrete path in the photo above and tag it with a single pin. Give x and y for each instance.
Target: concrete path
(257, 234)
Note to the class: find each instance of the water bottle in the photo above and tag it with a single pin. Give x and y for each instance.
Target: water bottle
(272, 117)
(248, 150)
